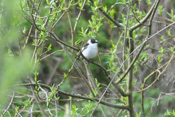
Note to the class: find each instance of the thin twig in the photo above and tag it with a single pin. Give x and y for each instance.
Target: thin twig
(109, 17)
(71, 28)
(78, 17)
(60, 41)
(77, 96)
(11, 101)
(37, 100)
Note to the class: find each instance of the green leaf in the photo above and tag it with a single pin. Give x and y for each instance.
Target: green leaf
(112, 13)
(70, 97)
(10, 53)
(173, 112)
(159, 59)
(48, 3)
(171, 49)
(161, 50)
(169, 32)
(167, 113)
(80, 4)
(142, 85)
(148, 2)
(162, 38)
(57, 98)
(49, 47)
(105, 8)
(65, 75)
(160, 9)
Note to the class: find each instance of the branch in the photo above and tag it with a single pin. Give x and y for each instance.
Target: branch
(78, 70)
(37, 100)
(131, 49)
(109, 78)
(109, 17)
(143, 20)
(131, 30)
(149, 33)
(77, 19)
(78, 96)
(60, 41)
(11, 102)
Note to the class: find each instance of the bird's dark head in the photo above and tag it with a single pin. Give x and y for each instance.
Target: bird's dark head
(94, 41)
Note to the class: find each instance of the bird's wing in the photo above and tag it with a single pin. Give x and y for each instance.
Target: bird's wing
(84, 47)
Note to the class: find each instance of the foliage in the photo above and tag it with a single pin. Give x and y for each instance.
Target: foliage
(131, 76)
(13, 66)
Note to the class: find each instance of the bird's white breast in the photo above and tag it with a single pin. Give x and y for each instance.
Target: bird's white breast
(91, 51)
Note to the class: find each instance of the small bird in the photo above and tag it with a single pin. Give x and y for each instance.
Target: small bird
(90, 49)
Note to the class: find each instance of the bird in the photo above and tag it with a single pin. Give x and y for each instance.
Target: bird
(90, 49)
